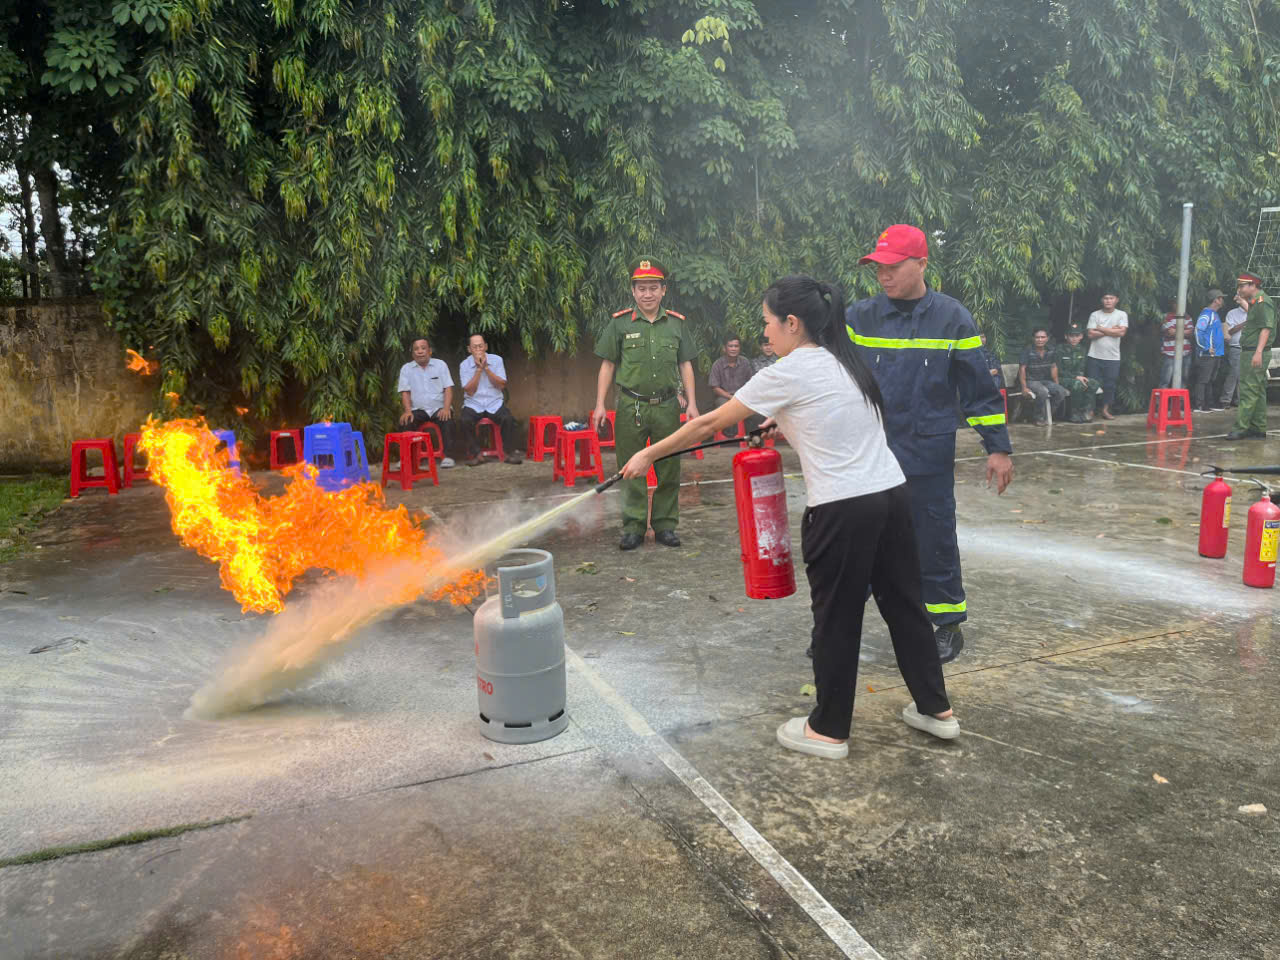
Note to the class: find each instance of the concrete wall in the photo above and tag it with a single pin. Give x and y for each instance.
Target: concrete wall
(62, 378)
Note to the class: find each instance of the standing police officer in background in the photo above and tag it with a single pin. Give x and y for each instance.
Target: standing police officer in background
(1256, 340)
(652, 351)
(925, 352)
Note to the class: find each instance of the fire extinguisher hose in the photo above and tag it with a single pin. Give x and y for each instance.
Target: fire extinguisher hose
(752, 437)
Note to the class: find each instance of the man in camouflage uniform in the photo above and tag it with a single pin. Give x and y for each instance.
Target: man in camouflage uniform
(1256, 340)
(1072, 359)
(652, 351)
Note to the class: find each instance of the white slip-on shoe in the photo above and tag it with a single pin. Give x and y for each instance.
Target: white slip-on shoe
(947, 729)
(791, 735)
(446, 462)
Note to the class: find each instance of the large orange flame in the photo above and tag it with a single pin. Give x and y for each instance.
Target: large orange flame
(263, 544)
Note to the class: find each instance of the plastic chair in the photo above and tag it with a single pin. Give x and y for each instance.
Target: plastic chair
(437, 439)
(610, 442)
(537, 446)
(132, 473)
(586, 445)
(228, 437)
(495, 438)
(411, 447)
(80, 479)
(278, 461)
(358, 437)
(331, 449)
(1160, 412)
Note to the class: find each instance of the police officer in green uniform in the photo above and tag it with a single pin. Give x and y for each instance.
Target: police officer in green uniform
(652, 351)
(1072, 359)
(1256, 340)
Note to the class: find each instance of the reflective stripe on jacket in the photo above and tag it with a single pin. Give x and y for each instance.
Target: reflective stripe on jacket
(925, 363)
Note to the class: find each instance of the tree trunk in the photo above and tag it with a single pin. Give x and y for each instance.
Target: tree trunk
(30, 273)
(61, 281)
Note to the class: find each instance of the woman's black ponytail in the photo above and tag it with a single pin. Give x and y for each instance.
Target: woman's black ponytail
(820, 307)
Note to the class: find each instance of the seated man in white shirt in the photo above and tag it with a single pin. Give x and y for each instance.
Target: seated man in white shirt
(483, 376)
(426, 393)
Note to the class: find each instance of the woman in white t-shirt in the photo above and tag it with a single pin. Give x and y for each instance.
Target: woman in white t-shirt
(856, 532)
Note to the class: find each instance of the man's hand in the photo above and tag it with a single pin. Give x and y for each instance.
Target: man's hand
(1083, 379)
(1000, 466)
(638, 465)
(445, 413)
(597, 417)
(1257, 359)
(692, 410)
(406, 416)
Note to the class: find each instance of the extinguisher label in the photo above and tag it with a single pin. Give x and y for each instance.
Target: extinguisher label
(773, 535)
(1226, 513)
(1270, 541)
(767, 485)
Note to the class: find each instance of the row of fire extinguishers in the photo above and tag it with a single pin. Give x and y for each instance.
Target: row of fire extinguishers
(1262, 533)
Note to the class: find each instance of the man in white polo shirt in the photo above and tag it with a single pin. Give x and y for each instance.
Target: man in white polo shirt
(1105, 329)
(426, 394)
(483, 376)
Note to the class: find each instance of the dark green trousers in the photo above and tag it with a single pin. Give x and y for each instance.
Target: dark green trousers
(656, 422)
(1083, 397)
(1252, 413)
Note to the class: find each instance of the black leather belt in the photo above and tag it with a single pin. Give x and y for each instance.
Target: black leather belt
(653, 399)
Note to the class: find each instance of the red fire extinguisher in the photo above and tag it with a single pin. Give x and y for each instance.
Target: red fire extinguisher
(1260, 542)
(1215, 516)
(763, 531)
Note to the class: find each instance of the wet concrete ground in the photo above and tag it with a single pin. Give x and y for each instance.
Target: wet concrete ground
(1116, 696)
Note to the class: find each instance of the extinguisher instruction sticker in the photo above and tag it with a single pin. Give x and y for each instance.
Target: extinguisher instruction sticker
(768, 485)
(1270, 541)
(1226, 513)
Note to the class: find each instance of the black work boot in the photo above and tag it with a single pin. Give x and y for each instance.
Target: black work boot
(950, 641)
(630, 541)
(667, 538)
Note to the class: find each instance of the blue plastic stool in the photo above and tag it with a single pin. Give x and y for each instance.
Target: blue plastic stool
(233, 454)
(331, 449)
(364, 460)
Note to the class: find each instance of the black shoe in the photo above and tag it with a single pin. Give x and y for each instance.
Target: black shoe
(668, 538)
(630, 541)
(1241, 434)
(808, 651)
(475, 461)
(516, 457)
(950, 641)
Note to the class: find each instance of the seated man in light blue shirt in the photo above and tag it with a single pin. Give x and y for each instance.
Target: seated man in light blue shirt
(483, 376)
(1209, 352)
(426, 394)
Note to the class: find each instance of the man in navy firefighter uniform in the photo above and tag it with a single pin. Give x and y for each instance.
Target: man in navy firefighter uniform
(925, 351)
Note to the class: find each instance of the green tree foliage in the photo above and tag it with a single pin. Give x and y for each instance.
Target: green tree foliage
(311, 183)
(66, 67)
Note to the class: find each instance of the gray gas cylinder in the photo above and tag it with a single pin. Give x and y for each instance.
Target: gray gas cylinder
(520, 652)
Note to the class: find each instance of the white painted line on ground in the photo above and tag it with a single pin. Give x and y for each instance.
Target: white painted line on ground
(1105, 446)
(832, 922)
(1121, 463)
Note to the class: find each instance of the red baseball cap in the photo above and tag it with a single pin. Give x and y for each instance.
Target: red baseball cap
(898, 243)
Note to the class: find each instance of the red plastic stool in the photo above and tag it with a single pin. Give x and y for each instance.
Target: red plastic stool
(1160, 413)
(80, 479)
(410, 449)
(132, 473)
(611, 441)
(437, 442)
(697, 454)
(742, 432)
(538, 447)
(276, 436)
(495, 438)
(590, 463)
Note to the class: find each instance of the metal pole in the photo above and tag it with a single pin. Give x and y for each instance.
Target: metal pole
(1182, 295)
